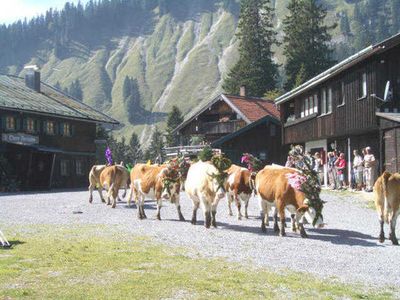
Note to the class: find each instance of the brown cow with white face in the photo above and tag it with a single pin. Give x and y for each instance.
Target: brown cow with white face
(387, 202)
(152, 181)
(239, 188)
(273, 190)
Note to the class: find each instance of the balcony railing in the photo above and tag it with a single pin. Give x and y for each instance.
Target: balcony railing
(220, 127)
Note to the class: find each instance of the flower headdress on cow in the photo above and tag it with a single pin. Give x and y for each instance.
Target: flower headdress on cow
(306, 180)
(253, 163)
(220, 162)
(171, 174)
(108, 155)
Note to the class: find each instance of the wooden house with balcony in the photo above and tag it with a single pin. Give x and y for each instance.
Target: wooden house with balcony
(227, 120)
(47, 137)
(354, 104)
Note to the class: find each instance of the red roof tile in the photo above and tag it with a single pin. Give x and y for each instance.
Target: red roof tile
(254, 108)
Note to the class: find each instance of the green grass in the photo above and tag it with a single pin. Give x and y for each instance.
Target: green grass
(96, 263)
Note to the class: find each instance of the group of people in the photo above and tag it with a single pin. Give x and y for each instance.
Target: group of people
(362, 173)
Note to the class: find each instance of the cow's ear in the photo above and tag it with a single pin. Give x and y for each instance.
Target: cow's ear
(302, 209)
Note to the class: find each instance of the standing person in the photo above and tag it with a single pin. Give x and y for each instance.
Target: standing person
(369, 169)
(319, 167)
(358, 170)
(341, 167)
(332, 170)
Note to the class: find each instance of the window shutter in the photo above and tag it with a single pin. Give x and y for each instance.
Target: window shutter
(72, 130)
(24, 124)
(17, 123)
(61, 128)
(44, 126)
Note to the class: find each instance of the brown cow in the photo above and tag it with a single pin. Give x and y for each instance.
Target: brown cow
(94, 181)
(273, 189)
(240, 186)
(387, 202)
(150, 180)
(112, 178)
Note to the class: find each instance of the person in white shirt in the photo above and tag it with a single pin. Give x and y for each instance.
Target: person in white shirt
(358, 169)
(369, 169)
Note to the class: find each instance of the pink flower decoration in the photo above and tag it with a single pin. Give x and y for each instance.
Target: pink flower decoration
(296, 180)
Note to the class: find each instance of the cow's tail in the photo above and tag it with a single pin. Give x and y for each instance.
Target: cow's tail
(385, 178)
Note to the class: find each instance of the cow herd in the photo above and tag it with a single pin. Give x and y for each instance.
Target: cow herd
(270, 185)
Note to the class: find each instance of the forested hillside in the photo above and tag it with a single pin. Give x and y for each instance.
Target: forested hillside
(134, 59)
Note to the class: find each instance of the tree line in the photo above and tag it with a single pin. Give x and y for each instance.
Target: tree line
(132, 151)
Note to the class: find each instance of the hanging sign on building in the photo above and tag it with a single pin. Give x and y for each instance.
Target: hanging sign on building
(20, 138)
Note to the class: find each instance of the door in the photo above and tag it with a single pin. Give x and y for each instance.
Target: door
(391, 149)
(41, 169)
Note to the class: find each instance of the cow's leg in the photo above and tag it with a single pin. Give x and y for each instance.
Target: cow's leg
(142, 208)
(382, 233)
(238, 205)
(206, 207)
(381, 215)
(91, 188)
(178, 209)
(214, 213)
(276, 227)
(229, 198)
(194, 214)
(246, 205)
(125, 190)
(300, 225)
(159, 205)
(114, 192)
(280, 206)
(392, 224)
(140, 198)
(263, 213)
(293, 219)
(100, 191)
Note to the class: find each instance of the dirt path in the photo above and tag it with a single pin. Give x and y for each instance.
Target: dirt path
(346, 249)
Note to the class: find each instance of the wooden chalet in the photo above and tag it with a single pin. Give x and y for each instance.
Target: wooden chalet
(47, 137)
(236, 124)
(354, 104)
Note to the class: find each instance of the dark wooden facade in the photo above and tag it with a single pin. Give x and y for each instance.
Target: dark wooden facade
(261, 138)
(215, 122)
(59, 159)
(356, 85)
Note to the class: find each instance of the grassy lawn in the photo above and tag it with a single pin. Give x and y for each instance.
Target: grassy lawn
(99, 263)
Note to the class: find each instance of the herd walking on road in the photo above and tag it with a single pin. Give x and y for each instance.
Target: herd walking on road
(278, 188)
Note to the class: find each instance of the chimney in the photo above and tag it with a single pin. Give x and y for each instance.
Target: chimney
(32, 77)
(242, 91)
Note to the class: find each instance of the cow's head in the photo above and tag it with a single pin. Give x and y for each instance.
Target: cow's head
(170, 189)
(312, 215)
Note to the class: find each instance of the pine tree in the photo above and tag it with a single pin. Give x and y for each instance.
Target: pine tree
(174, 119)
(75, 90)
(306, 40)
(360, 32)
(255, 68)
(344, 24)
(301, 76)
(395, 13)
(57, 86)
(135, 152)
(126, 88)
(154, 152)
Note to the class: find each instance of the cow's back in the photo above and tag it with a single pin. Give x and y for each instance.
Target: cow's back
(198, 178)
(239, 179)
(94, 174)
(108, 175)
(272, 184)
(145, 175)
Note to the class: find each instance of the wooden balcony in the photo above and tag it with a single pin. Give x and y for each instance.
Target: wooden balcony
(221, 127)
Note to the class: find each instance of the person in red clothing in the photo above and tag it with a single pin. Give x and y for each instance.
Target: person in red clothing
(340, 167)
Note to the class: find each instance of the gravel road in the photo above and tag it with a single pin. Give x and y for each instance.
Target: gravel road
(346, 249)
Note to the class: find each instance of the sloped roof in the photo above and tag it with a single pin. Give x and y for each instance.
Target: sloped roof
(254, 108)
(248, 108)
(15, 95)
(341, 66)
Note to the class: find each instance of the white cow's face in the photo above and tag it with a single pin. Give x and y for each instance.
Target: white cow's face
(310, 214)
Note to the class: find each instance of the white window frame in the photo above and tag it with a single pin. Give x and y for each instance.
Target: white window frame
(66, 129)
(30, 125)
(329, 100)
(343, 93)
(64, 167)
(364, 90)
(79, 167)
(315, 103)
(53, 127)
(11, 123)
(302, 109)
(306, 106)
(323, 101)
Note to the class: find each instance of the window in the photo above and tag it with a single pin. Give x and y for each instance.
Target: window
(315, 103)
(79, 167)
(323, 101)
(302, 109)
(363, 85)
(329, 101)
(30, 125)
(10, 123)
(66, 129)
(49, 127)
(64, 167)
(306, 111)
(311, 104)
(342, 93)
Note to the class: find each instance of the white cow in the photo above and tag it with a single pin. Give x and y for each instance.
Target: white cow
(204, 190)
